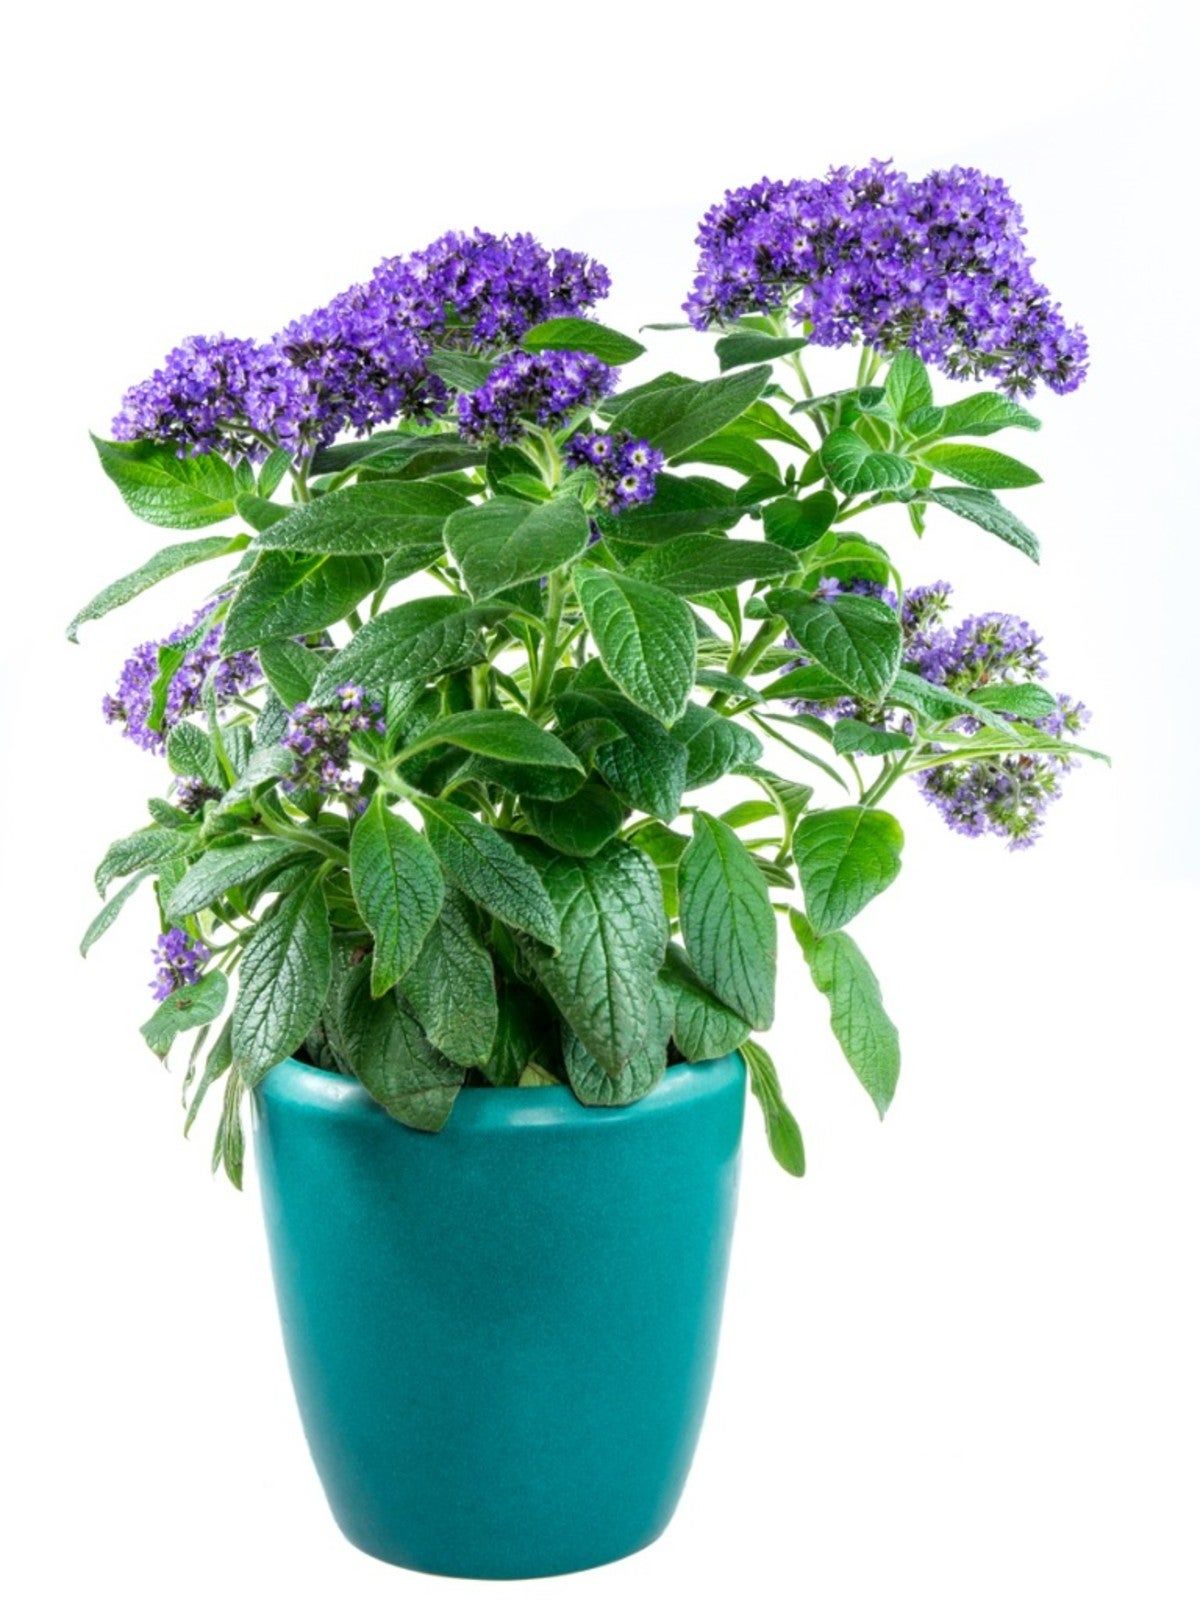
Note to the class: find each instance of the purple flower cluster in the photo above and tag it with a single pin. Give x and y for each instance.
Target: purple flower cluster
(132, 703)
(178, 961)
(319, 740)
(546, 387)
(625, 468)
(191, 793)
(1006, 794)
(360, 360)
(936, 264)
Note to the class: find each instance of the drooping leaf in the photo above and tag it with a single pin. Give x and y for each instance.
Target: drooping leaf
(282, 981)
(109, 911)
(981, 507)
(593, 1085)
(149, 847)
(645, 638)
(983, 414)
(783, 1131)
(845, 857)
(175, 558)
(714, 744)
(190, 753)
(190, 1007)
(450, 986)
(680, 505)
(486, 867)
(394, 1061)
(1029, 701)
(613, 938)
(579, 826)
(703, 1028)
(647, 767)
(861, 1026)
(727, 922)
(398, 887)
(851, 737)
(290, 669)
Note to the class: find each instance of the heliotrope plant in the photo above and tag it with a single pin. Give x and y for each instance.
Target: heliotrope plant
(467, 834)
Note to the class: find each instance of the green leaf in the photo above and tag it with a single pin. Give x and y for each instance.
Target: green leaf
(290, 669)
(593, 1085)
(647, 767)
(984, 414)
(410, 643)
(190, 754)
(855, 468)
(175, 558)
(698, 563)
(680, 505)
(939, 704)
(109, 911)
(216, 1065)
(283, 981)
(645, 638)
(703, 1028)
(397, 886)
(504, 736)
(783, 1131)
(189, 1007)
(576, 333)
(733, 449)
(727, 922)
(798, 524)
(981, 507)
(504, 542)
(851, 737)
(366, 519)
(861, 1026)
(714, 744)
(222, 869)
(172, 492)
(451, 987)
(854, 639)
(148, 847)
(286, 595)
(907, 388)
(579, 826)
(979, 466)
(741, 349)
(260, 514)
(678, 416)
(486, 867)
(1029, 701)
(458, 368)
(193, 1006)
(845, 858)
(395, 1062)
(401, 455)
(613, 938)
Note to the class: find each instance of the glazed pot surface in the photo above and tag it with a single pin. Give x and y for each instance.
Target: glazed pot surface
(501, 1336)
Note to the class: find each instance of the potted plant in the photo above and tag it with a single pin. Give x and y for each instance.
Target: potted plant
(524, 709)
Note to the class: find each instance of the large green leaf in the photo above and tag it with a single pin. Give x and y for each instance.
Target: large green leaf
(907, 388)
(698, 563)
(1029, 701)
(645, 637)
(451, 987)
(680, 505)
(412, 642)
(148, 847)
(594, 1085)
(169, 490)
(704, 1029)
(854, 639)
(677, 416)
(741, 349)
(613, 938)
(286, 595)
(647, 768)
(714, 744)
(727, 921)
(401, 455)
(504, 736)
(486, 867)
(394, 1061)
(398, 887)
(981, 507)
(222, 869)
(984, 414)
(855, 467)
(290, 669)
(282, 981)
(175, 558)
(576, 333)
(783, 1131)
(193, 1006)
(860, 1025)
(504, 542)
(579, 826)
(978, 466)
(845, 858)
(797, 524)
(366, 519)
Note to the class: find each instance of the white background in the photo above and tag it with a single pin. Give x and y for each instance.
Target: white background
(959, 1359)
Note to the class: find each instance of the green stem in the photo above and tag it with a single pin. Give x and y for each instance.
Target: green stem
(311, 839)
(552, 648)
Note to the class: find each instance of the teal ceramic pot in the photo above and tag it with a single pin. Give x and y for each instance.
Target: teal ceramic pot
(501, 1336)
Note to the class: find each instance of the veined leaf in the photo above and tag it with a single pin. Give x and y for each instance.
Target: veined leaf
(410, 643)
(366, 519)
(219, 870)
(166, 489)
(698, 563)
(703, 1028)
(783, 1131)
(645, 638)
(576, 333)
(855, 468)
(175, 558)
(679, 415)
(397, 886)
(395, 1062)
(907, 388)
(504, 542)
(855, 639)
(193, 1006)
(486, 867)
(845, 858)
(286, 595)
(594, 1085)
(981, 507)
(727, 921)
(978, 466)
(451, 987)
(741, 349)
(861, 1026)
(282, 981)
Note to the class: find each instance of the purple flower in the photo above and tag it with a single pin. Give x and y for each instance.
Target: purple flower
(937, 265)
(361, 360)
(625, 468)
(545, 388)
(132, 703)
(178, 959)
(191, 793)
(319, 740)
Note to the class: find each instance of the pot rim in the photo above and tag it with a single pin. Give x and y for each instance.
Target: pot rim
(484, 1106)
